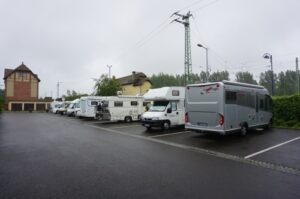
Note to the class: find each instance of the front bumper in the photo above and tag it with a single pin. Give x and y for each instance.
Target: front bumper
(152, 123)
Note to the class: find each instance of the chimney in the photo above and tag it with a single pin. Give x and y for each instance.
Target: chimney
(133, 75)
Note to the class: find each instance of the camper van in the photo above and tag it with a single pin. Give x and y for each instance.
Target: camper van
(120, 108)
(74, 105)
(87, 106)
(63, 108)
(54, 106)
(167, 108)
(226, 107)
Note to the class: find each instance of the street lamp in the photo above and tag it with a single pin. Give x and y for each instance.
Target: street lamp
(109, 68)
(269, 56)
(206, 49)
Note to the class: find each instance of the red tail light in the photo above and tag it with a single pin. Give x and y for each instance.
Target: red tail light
(186, 117)
(221, 121)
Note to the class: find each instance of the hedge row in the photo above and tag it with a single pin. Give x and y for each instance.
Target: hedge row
(286, 111)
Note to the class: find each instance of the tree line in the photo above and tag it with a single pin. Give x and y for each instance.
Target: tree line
(285, 83)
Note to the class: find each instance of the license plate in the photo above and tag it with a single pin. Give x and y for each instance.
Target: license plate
(147, 125)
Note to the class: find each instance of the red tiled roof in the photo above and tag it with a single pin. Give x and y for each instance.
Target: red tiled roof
(22, 67)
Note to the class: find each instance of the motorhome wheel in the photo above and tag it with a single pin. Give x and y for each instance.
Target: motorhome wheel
(128, 119)
(244, 130)
(166, 125)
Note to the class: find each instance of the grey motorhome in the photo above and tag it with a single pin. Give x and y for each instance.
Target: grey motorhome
(226, 107)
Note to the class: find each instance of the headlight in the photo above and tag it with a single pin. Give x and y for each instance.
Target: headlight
(155, 118)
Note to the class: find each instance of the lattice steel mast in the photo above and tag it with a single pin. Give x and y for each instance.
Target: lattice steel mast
(185, 20)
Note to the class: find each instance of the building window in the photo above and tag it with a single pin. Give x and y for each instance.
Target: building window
(23, 76)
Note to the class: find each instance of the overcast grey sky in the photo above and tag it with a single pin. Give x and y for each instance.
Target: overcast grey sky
(72, 41)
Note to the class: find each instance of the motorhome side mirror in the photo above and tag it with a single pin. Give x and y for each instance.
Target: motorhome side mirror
(169, 110)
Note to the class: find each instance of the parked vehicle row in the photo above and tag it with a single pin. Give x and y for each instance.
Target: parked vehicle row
(215, 107)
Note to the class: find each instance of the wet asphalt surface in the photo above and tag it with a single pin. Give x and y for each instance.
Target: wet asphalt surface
(51, 156)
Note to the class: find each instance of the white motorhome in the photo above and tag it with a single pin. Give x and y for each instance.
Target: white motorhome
(226, 107)
(54, 106)
(87, 106)
(120, 108)
(74, 105)
(167, 107)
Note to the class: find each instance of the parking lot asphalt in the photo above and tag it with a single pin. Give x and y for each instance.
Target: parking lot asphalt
(51, 156)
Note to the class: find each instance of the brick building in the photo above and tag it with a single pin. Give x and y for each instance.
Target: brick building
(22, 90)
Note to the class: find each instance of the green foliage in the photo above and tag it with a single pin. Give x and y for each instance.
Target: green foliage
(72, 95)
(265, 79)
(286, 111)
(162, 80)
(287, 83)
(107, 87)
(245, 77)
(219, 76)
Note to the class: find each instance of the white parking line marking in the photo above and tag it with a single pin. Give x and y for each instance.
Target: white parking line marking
(270, 148)
(208, 152)
(162, 135)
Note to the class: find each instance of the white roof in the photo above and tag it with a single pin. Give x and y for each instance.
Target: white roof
(165, 93)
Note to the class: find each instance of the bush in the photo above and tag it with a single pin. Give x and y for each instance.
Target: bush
(286, 111)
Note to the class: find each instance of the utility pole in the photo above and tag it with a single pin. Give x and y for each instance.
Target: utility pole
(297, 73)
(57, 90)
(109, 68)
(185, 20)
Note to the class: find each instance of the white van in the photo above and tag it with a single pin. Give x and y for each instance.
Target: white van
(74, 105)
(122, 107)
(87, 106)
(167, 107)
(226, 107)
(54, 106)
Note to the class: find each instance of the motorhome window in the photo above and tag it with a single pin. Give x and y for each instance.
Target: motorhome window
(175, 93)
(159, 106)
(94, 103)
(261, 104)
(268, 103)
(174, 106)
(104, 104)
(245, 99)
(230, 97)
(118, 103)
(134, 103)
(146, 103)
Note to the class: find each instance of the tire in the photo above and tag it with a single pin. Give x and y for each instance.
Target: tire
(166, 125)
(269, 125)
(244, 130)
(128, 119)
(149, 128)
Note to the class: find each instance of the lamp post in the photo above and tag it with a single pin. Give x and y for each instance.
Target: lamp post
(109, 68)
(269, 56)
(206, 50)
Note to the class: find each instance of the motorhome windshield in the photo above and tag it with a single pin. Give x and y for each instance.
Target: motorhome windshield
(159, 106)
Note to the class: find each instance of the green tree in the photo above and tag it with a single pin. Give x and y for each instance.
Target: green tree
(72, 95)
(265, 79)
(219, 76)
(245, 77)
(287, 83)
(105, 86)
